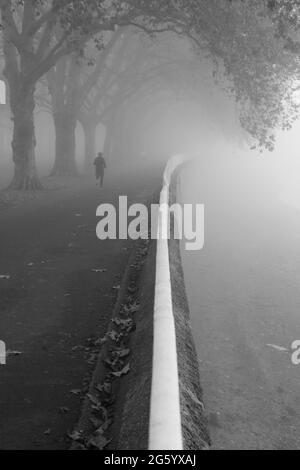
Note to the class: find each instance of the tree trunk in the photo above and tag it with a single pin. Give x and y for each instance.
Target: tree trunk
(65, 161)
(24, 142)
(89, 129)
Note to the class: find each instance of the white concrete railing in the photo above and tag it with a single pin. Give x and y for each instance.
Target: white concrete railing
(2, 92)
(165, 417)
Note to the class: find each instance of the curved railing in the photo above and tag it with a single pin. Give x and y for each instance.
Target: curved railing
(165, 417)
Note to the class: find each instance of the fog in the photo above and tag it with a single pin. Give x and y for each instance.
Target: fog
(96, 97)
(204, 126)
(243, 287)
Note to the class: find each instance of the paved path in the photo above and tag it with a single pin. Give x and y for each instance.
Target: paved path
(52, 308)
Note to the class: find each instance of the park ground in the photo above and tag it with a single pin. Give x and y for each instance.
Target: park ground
(244, 294)
(58, 286)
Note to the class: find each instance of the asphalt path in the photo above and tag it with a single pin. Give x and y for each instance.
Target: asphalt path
(55, 303)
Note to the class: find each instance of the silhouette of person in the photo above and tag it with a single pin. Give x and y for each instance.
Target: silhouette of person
(100, 166)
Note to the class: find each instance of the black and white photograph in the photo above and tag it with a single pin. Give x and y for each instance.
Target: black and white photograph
(149, 228)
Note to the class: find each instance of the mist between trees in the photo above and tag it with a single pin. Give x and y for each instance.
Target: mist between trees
(105, 70)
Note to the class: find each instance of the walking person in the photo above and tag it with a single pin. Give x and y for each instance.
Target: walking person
(100, 167)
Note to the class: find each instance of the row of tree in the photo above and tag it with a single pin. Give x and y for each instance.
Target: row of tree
(85, 59)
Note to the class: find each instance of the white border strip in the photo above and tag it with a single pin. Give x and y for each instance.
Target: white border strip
(165, 417)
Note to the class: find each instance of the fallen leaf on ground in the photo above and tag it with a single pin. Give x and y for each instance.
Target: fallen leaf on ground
(97, 409)
(79, 446)
(73, 245)
(133, 308)
(111, 364)
(97, 423)
(101, 341)
(132, 290)
(106, 387)
(126, 325)
(14, 353)
(278, 348)
(106, 425)
(75, 436)
(94, 400)
(103, 428)
(121, 353)
(98, 442)
(122, 372)
(115, 336)
(194, 398)
(92, 359)
(64, 410)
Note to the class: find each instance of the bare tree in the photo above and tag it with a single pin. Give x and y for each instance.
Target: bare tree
(39, 33)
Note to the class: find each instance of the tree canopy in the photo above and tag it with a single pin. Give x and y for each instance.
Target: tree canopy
(255, 43)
